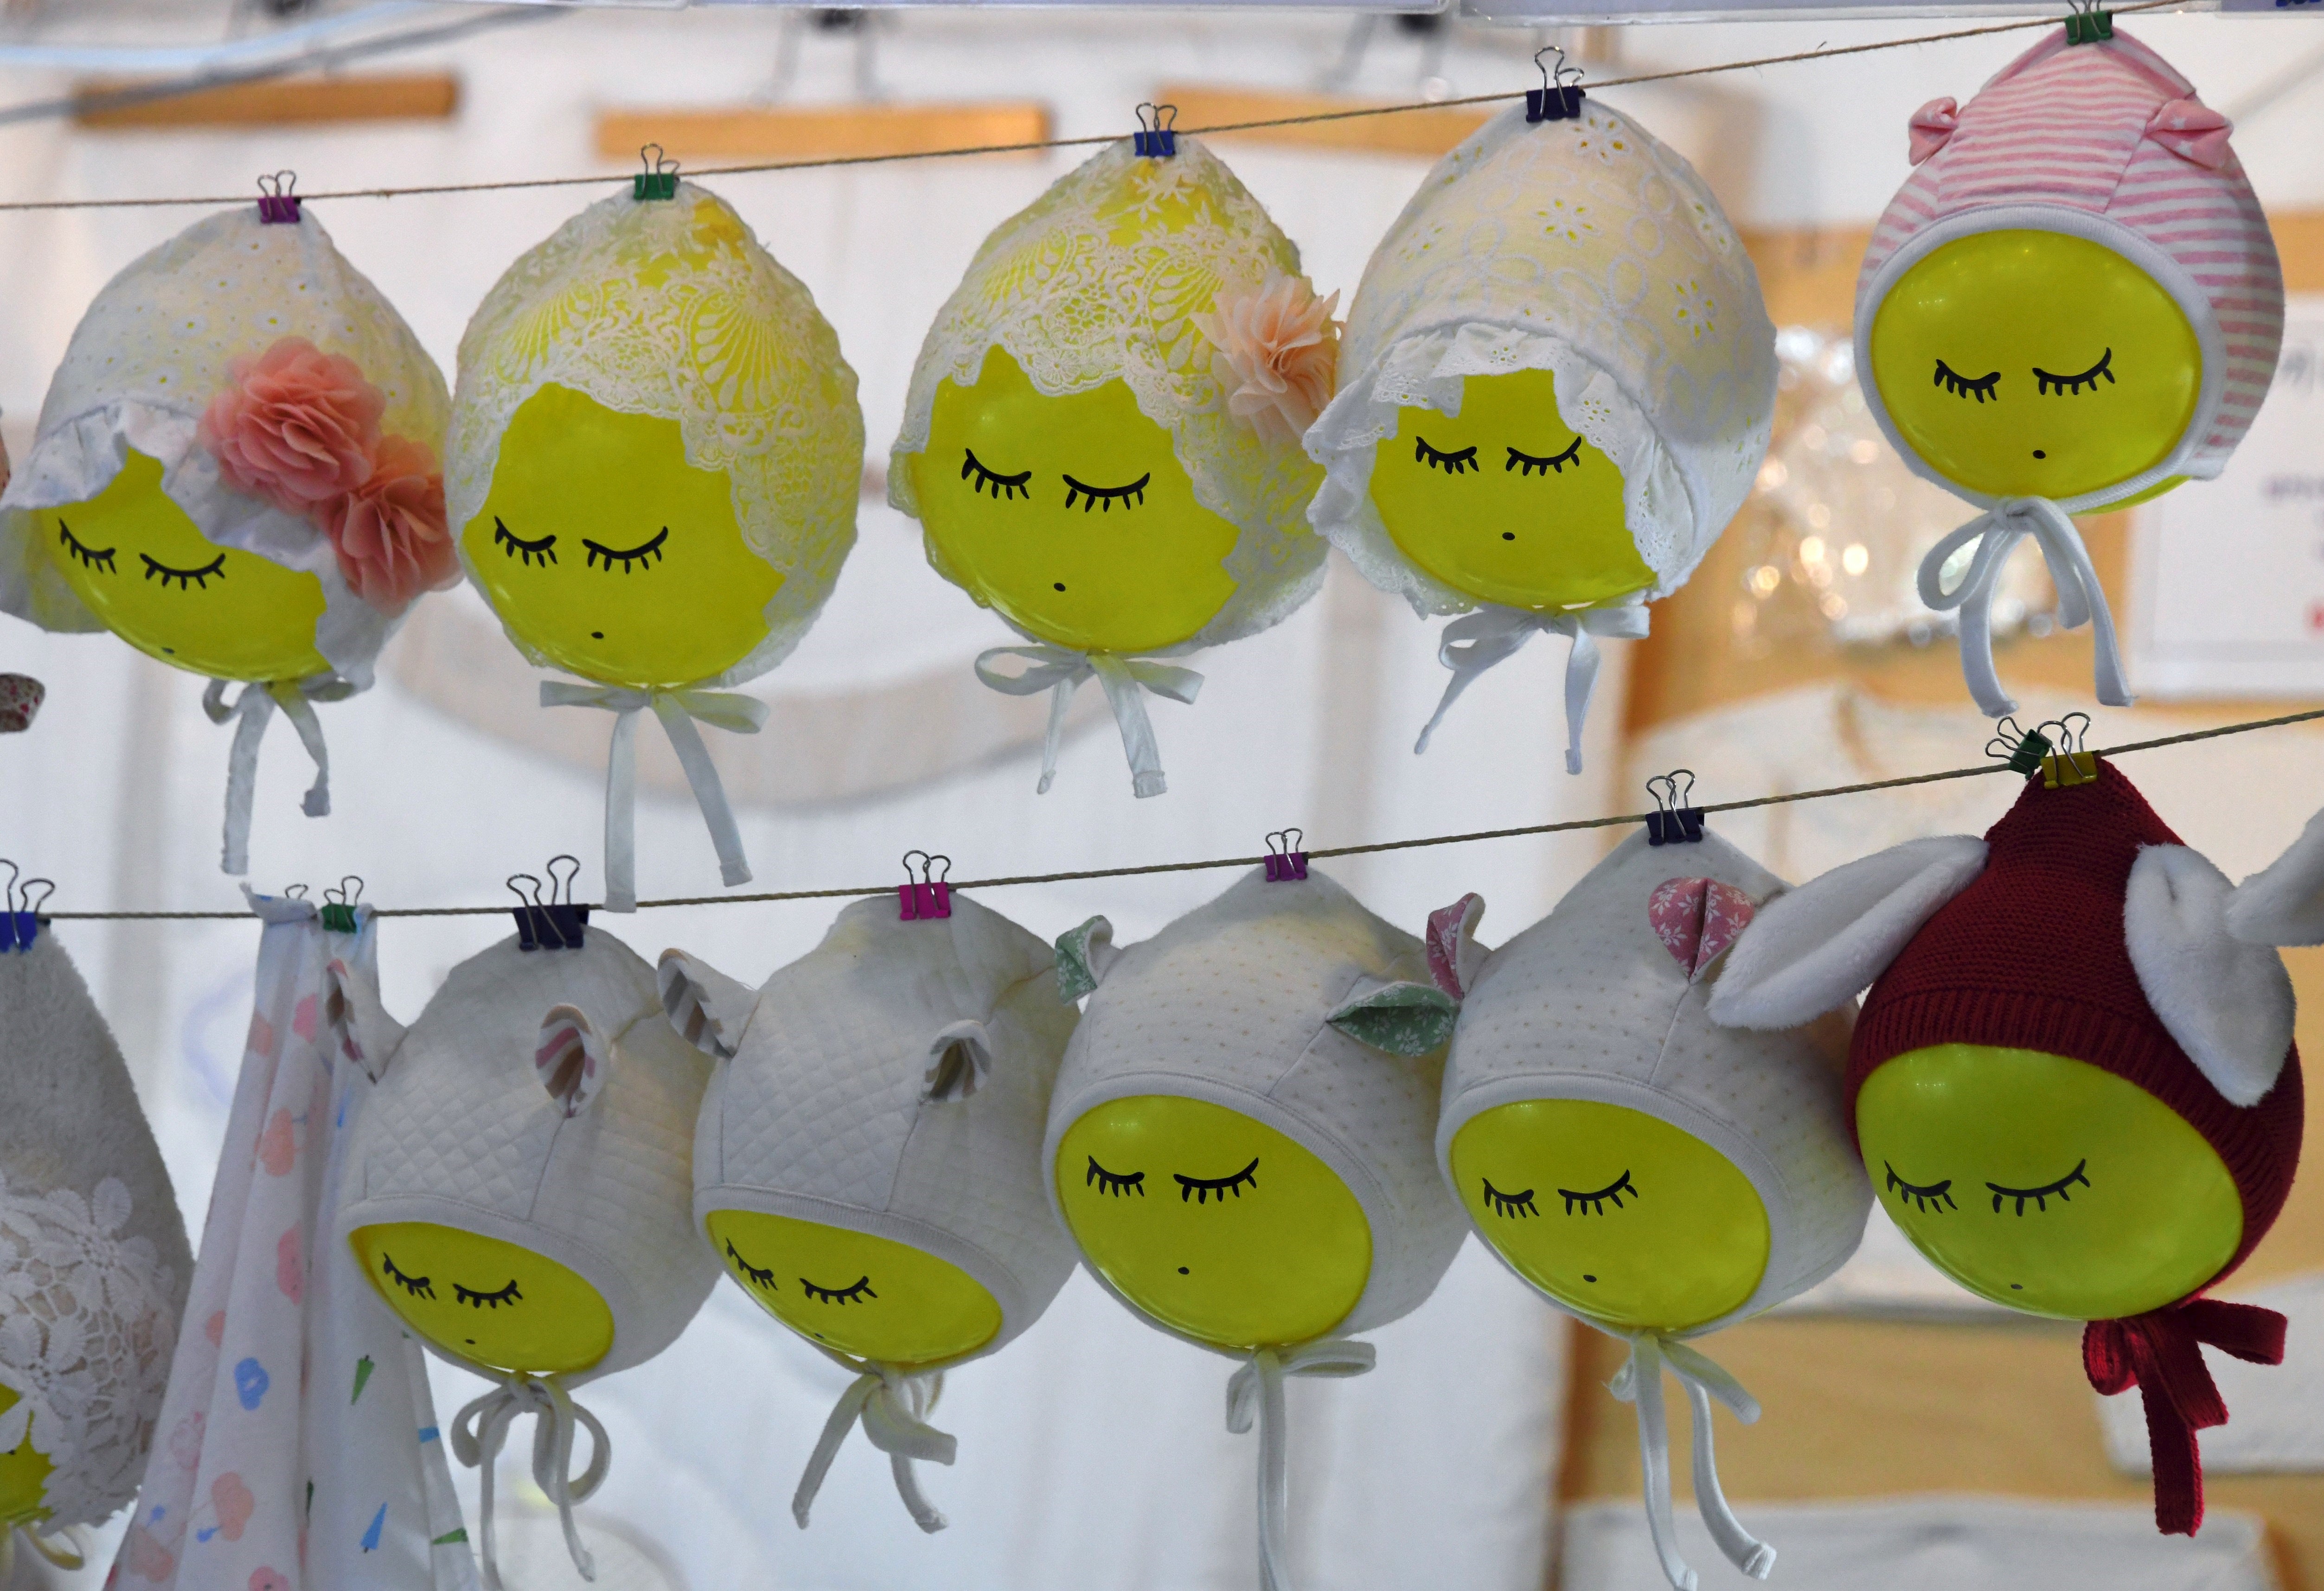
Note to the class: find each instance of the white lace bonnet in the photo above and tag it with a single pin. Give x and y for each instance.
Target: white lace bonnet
(94, 1264)
(1076, 307)
(718, 338)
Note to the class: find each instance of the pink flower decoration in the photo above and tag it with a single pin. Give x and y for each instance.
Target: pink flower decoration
(233, 1503)
(1933, 125)
(278, 1146)
(297, 427)
(268, 1579)
(291, 1267)
(389, 531)
(1697, 919)
(2193, 132)
(1277, 352)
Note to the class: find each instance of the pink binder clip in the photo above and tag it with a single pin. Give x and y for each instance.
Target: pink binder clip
(928, 897)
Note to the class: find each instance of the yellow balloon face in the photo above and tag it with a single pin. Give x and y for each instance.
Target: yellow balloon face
(1620, 1216)
(611, 556)
(1214, 1224)
(1505, 502)
(872, 1297)
(1070, 515)
(2032, 363)
(162, 586)
(2046, 1184)
(24, 1477)
(483, 1299)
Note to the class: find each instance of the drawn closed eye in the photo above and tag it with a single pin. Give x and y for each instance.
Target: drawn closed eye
(2039, 1197)
(417, 1286)
(186, 579)
(1527, 464)
(2072, 385)
(1517, 1206)
(1129, 496)
(839, 1295)
(1595, 1203)
(1960, 386)
(1451, 463)
(649, 552)
(1927, 1198)
(763, 1280)
(92, 557)
(469, 1296)
(1001, 485)
(545, 549)
(1200, 1189)
(1113, 1182)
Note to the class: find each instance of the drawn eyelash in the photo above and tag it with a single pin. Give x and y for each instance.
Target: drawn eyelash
(1961, 386)
(186, 579)
(91, 556)
(2070, 385)
(469, 1296)
(1451, 463)
(839, 1295)
(2041, 1196)
(763, 1280)
(649, 552)
(1107, 1181)
(545, 549)
(1135, 494)
(1927, 1198)
(1597, 1202)
(1527, 465)
(1002, 486)
(1518, 1206)
(417, 1286)
(1200, 1189)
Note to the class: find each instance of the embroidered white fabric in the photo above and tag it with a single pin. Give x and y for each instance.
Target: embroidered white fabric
(1097, 280)
(673, 308)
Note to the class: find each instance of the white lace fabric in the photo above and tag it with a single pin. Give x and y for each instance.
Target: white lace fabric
(671, 307)
(1098, 280)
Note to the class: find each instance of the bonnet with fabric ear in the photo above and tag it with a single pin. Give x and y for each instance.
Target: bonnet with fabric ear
(2284, 902)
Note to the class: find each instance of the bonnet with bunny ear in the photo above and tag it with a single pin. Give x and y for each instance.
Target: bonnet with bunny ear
(1603, 1003)
(884, 1093)
(1999, 974)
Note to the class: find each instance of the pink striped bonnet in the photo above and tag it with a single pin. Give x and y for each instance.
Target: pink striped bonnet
(2102, 140)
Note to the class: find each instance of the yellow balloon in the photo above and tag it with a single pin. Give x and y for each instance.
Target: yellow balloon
(1505, 502)
(2046, 1183)
(159, 584)
(1619, 1216)
(602, 550)
(2025, 363)
(486, 1300)
(866, 1295)
(24, 1477)
(1215, 1224)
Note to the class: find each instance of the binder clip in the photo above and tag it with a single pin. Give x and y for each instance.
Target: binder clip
(20, 924)
(2069, 765)
(2020, 751)
(1285, 863)
(557, 923)
(1559, 98)
(278, 205)
(1672, 821)
(1157, 137)
(659, 181)
(338, 911)
(2089, 25)
(927, 897)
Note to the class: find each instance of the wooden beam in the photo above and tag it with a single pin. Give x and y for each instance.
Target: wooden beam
(822, 132)
(400, 97)
(1427, 133)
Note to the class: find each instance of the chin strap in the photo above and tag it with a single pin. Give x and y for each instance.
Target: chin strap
(67, 1549)
(2081, 598)
(1491, 636)
(2160, 1354)
(480, 1429)
(893, 1405)
(1640, 1382)
(677, 711)
(250, 713)
(1125, 680)
(1258, 1388)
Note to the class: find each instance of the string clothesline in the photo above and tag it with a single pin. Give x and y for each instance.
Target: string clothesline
(1821, 52)
(1568, 825)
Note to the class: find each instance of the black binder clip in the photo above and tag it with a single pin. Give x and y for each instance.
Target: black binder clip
(1672, 821)
(1157, 137)
(20, 924)
(2089, 25)
(1559, 97)
(927, 897)
(338, 911)
(659, 181)
(2020, 751)
(1286, 862)
(2069, 765)
(557, 923)
(278, 205)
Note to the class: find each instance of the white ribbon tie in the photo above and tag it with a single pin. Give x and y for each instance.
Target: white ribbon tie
(1258, 1387)
(1060, 672)
(1640, 1382)
(480, 1429)
(2081, 598)
(893, 1406)
(249, 714)
(1478, 641)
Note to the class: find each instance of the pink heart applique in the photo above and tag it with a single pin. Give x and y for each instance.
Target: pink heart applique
(1697, 919)
(234, 1504)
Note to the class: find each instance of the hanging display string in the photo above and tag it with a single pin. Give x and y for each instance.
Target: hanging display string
(1569, 825)
(1310, 119)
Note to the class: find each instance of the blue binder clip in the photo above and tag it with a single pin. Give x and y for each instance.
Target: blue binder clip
(926, 898)
(20, 924)
(278, 205)
(1558, 99)
(1157, 137)
(1672, 821)
(1286, 862)
(557, 923)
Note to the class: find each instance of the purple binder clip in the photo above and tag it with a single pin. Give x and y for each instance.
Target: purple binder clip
(1286, 862)
(278, 205)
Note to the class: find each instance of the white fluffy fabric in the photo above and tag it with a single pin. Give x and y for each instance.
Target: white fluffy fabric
(1817, 948)
(2227, 1002)
(2283, 904)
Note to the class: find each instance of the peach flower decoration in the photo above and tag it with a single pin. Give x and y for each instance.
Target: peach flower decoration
(389, 532)
(1276, 350)
(295, 427)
